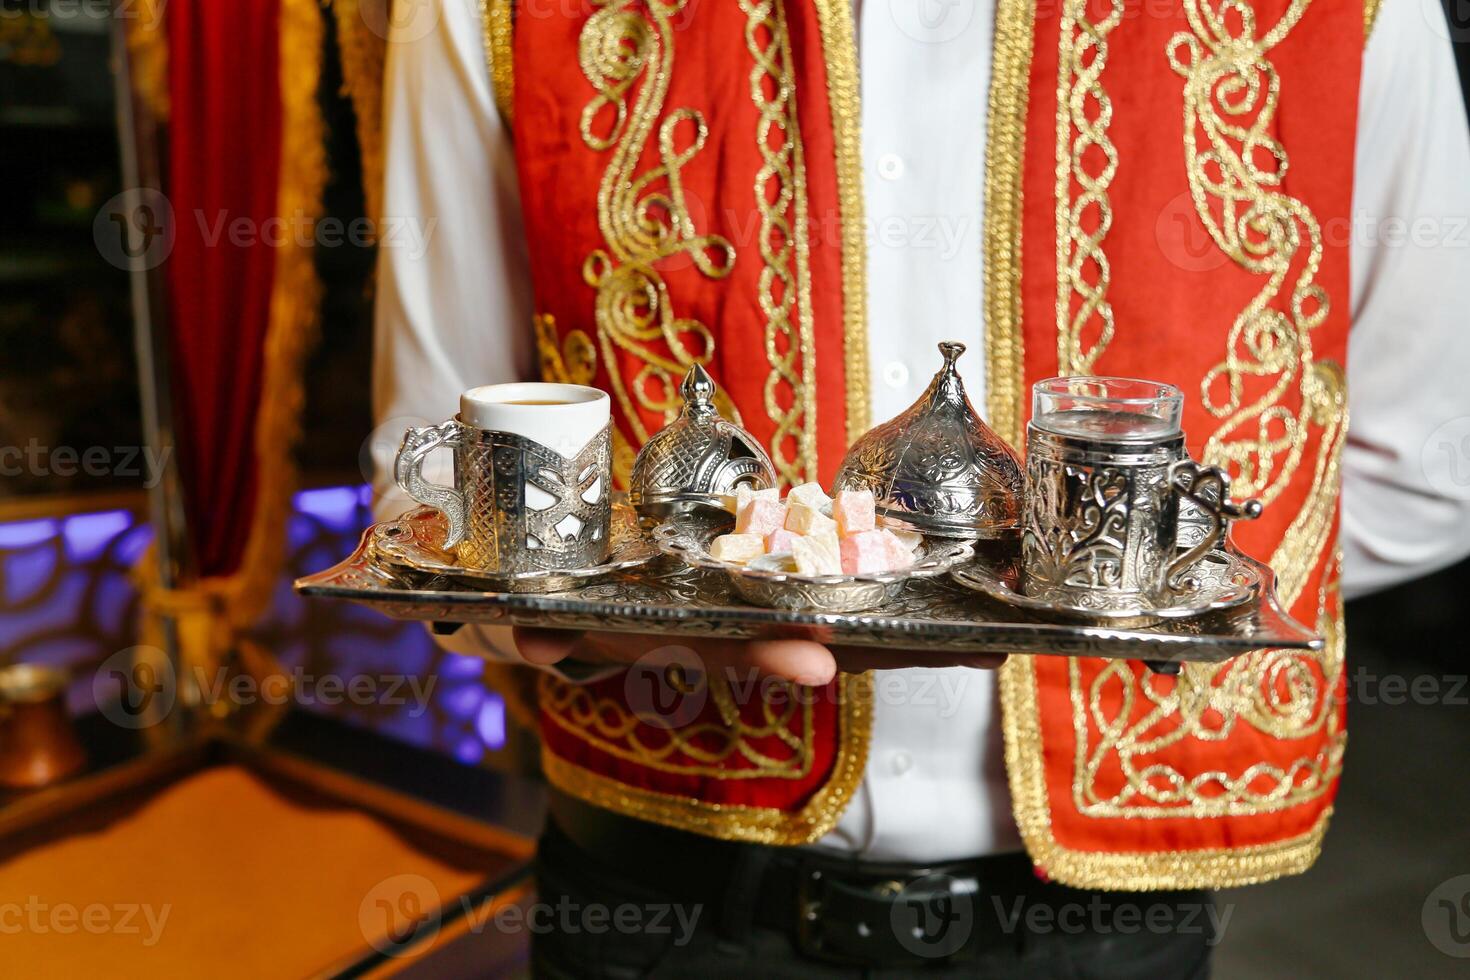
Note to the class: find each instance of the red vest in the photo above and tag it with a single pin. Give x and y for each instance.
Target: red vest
(1157, 182)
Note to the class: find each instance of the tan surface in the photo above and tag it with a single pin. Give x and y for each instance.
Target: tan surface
(219, 874)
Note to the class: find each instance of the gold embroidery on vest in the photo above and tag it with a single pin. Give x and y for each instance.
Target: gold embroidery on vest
(834, 18)
(1305, 541)
(780, 187)
(1273, 691)
(731, 821)
(703, 749)
(1286, 695)
(1083, 334)
(644, 218)
(1370, 16)
(496, 21)
(1010, 66)
(1230, 96)
(574, 361)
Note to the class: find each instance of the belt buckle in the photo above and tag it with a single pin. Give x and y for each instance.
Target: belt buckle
(814, 938)
(821, 939)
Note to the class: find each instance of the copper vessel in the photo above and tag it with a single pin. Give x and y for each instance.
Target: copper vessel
(38, 744)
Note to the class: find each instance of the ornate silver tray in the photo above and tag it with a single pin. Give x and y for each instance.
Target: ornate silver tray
(934, 614)
(689, 541)
(1225, 578)
(415, 542)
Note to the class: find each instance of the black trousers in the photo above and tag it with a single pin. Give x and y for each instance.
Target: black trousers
(600, 921)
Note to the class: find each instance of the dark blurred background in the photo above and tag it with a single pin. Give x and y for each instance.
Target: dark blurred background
(1383, 901)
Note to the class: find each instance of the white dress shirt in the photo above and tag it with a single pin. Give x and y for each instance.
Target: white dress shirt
(459, 315)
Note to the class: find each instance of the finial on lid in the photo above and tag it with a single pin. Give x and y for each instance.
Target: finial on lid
(698, 389)
(937, 465)
(696, 459)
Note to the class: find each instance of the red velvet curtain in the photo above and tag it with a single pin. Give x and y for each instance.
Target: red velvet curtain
(224, 167)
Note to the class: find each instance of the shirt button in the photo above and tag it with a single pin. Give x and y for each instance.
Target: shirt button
(890, 166)
(896, 374)
(900, 762)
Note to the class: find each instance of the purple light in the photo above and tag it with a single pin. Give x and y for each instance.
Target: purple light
(460, 666)
(335, 506)
(461, 701)
(491, 723)
(66, 598)
(26, 574)
(24, 534)
(133, 544)
(88, 535)
(469, 751)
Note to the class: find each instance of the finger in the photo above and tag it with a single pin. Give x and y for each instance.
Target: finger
(801, 661)
(854, 659)
(544, 647)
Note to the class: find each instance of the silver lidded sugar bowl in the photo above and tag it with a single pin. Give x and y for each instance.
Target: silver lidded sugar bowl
(938, 466)
(697, 460)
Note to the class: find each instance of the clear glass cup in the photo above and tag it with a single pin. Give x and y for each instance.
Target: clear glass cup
(1107, 409)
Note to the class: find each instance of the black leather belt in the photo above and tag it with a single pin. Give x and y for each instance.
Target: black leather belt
(833, 907)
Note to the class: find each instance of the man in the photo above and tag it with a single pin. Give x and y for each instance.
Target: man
(1168, 191)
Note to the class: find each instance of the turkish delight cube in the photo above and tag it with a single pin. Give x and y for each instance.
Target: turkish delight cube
(866, 552)
(780, 541)
(737, 548)
(853, 511)
(900, 554)
(902, 530)
(813, 496)
(805, 519)
(744, 494)
(818, 554)
(760, 516)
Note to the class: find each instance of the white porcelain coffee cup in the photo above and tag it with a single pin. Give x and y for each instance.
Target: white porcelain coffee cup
(560, 417)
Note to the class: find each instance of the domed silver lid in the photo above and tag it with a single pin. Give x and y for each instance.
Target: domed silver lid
(697, 459)
(937, 466)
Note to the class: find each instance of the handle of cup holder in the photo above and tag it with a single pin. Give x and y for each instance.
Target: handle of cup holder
(1208, 487)
(408, 469)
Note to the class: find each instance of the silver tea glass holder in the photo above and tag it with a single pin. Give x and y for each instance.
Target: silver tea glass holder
(1117, 516)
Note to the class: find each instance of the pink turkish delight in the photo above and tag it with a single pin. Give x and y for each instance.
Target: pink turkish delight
(865, 552)
(900, 554)
(760, 516)
(779, 541)
(853, 510)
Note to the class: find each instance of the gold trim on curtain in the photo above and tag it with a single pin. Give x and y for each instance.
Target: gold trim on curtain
(362, 51)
